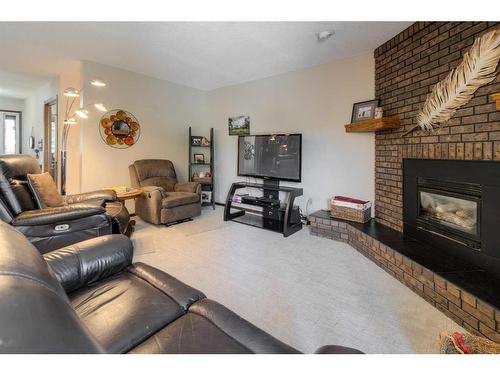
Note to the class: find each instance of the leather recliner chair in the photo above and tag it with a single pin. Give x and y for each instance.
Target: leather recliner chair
(90, 298)
(83, 216)
(165, 200)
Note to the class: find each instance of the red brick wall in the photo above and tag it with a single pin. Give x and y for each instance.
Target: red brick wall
(406, 69)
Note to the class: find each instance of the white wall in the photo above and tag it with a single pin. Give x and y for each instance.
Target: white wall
(316, 102)
(33, 117)
(164, 110)
(11, 104)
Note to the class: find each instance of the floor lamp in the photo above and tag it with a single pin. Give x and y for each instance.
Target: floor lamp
(72, 95)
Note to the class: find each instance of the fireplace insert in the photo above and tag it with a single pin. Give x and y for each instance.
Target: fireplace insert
(454, 205)
(450, 209)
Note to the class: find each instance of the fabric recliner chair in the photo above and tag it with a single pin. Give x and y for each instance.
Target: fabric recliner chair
(165, 201)
(82, 216)
(90, 298)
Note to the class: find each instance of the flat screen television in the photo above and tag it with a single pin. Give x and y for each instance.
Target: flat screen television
(273, 156)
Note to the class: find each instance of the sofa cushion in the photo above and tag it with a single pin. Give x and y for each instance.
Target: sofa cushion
(126, 309)
(22, 191)
(191, 334)
(12, 168)
(155, 172)
(35, 316)
(44, 190)
(179, 198)
(210, 328)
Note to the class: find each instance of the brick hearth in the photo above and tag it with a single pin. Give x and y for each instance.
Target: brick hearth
(466, 294)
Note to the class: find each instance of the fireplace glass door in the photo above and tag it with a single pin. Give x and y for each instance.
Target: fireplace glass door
(450, 209)
(456, 213)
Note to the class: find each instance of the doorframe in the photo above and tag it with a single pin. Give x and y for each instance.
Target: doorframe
(20, 136)
(46, 137)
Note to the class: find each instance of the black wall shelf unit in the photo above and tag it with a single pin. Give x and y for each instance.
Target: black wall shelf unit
(207, 183)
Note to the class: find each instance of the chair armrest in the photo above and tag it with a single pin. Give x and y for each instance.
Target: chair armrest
(188, 187)
(104, 195)
(181, 293)
(337, 349)
(153, 189)
(54, 215)
(88, 261)
(148, 205)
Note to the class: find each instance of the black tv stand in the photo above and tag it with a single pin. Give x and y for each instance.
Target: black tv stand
(282, 217)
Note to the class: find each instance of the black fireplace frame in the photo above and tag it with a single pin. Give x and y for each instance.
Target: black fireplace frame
(473, 180)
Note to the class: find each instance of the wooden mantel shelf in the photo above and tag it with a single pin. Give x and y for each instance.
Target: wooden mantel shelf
(496, 98)
(365, 126)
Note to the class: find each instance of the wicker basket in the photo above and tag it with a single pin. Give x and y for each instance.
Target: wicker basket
(351, 214)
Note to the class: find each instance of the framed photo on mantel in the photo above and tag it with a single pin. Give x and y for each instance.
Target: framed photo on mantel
(364, 110)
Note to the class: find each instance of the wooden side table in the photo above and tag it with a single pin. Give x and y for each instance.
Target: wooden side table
(132, 194)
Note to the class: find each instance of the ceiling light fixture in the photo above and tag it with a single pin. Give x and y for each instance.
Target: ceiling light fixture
(98, 83)
(324, 35)
(71, 92)
(100, 107)
(82, 112)
(70, 121)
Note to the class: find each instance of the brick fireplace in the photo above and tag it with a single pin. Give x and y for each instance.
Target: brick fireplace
(447, 265)
(406, 69)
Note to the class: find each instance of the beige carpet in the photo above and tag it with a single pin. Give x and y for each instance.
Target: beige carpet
(305, 290)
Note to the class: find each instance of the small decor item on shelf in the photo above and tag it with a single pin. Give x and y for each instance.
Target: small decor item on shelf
(199, 158)
(364, 110)
(205, 142)
(119, 128)
(239, 125)
(351, 209)
(206, 197)
(196, 141)
(379, 112)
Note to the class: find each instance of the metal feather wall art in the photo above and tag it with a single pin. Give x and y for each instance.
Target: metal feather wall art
(477, 68)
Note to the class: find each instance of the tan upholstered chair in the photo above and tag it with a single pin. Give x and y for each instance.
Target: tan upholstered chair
(165, 201)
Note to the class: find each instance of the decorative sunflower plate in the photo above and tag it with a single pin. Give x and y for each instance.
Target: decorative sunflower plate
(119, 128)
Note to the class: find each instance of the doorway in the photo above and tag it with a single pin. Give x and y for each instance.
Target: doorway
(10, 132)
(50, 138)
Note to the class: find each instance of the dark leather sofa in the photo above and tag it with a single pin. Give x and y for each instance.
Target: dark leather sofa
(83, 216)
(90, 298)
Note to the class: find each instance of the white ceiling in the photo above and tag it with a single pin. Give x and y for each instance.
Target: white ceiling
(19, 86)
(204, 55)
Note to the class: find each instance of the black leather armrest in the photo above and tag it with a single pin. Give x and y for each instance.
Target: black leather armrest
(181, 293)
(337, 349)
(105, 195)
(91, 260)
(56, 214)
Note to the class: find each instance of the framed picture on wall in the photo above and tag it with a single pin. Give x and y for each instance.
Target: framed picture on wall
(239, 125)
(196, 141)
(199, 158)
(364, 110)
